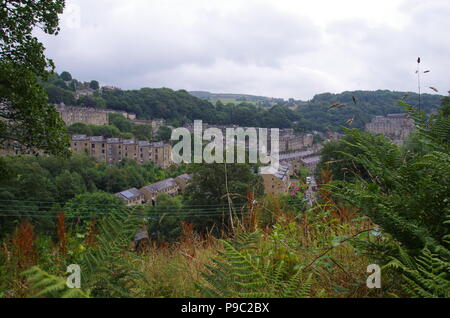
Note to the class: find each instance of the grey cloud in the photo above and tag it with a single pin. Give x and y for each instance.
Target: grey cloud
(256, 49)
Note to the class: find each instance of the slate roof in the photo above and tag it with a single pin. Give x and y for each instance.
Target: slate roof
(185, 177)
(79, 137)
(97, 138)
(282, 172)
(129, 142)
(113, 140)
(144, 144)
(158, 144)
(313, 159)
(129, 194)
(161, 185)
(141, 235)
(296, 155)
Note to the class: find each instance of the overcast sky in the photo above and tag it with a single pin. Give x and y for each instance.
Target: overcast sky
(277, 48)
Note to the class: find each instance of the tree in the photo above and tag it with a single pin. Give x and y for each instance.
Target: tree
(408, 197)
(210, 187)
(164, 133)
(66, 76)
(343, 167)
(97, 205)
(29, 120)
(165, 218)
(69, 185)
(94, 85)
(445, 106)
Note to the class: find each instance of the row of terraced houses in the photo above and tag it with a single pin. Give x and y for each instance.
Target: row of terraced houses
(114, 150)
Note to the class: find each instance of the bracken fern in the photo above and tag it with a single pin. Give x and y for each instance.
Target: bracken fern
(240, 272)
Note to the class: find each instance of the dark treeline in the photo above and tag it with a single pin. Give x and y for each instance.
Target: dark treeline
(180, 107)
(42, 183)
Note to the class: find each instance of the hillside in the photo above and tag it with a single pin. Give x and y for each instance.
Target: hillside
(236, 98)
(179, 107)
(316, 115)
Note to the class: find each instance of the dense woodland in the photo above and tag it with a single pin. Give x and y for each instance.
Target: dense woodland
(179, 107)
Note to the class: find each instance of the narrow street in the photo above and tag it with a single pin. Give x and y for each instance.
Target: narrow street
(310, 193)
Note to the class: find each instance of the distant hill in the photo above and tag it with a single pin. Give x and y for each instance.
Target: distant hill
(235, 97)
(316, 114)
(179, 107)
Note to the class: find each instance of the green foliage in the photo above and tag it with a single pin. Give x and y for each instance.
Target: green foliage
(208, 188)
(407, 195)
(445, 106)
(164, 133)
(180, 107)
(340, 155)
(240, 272)
(52, 286)
(109, 269)
(19, 18)
(165, 218)
(97, 205)
(65, 76)
(316, 115)
(29, 119)
(425, 276)
(35, 188)
(94, 85)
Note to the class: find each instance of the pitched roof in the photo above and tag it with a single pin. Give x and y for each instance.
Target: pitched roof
(313, 159)
(161, 185)
(129, 141)
(113, 140)
(129, 194)
(79, 137)
(296, 155)
(144, 143)
(157, 144)
(97, 138)
(185, 177)
(282, 172)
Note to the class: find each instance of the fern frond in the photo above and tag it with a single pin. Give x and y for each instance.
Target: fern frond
(51, 286)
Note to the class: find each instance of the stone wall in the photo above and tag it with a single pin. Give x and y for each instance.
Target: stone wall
(393, 126)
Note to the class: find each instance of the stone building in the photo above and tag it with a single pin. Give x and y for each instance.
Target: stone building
(277, 183)
(114, 150)
(131, 197)
(311, 163)
(71, 115)
(91, 116)
(168, 186)
(15, 148)
(183, 181)
(396, 127)
(125, 114)
(290, 143)
(155, 124)
(300, 159)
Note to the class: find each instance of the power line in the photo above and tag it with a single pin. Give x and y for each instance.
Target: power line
(103, 205)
